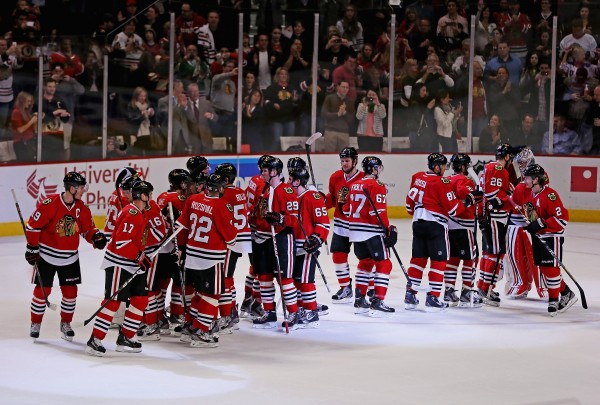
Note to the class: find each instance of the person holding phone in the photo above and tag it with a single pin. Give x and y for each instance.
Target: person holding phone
(370, 114)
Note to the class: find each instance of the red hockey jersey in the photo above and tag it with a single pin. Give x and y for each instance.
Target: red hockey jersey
(178, 202)
(237, 198)
(312, 213)
(55, 228)
(128, 241)
(496, 183)
(431, 198)
(157, 227)
(208, 230)
(462, 186)
(549, 207)
(114, 208)
(283, 201)
(361, 213)
(340, 183)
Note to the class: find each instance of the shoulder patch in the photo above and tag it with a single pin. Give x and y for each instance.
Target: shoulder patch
(229, 207)
(498, 167)
(552, 197)
(47, 201)
(317, 196)
(181, 197)
(289, 190)
(379, 182)
(445, 180)
(132, 211)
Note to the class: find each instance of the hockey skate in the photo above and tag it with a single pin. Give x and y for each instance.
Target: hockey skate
(126, 345)
(203, 339)
(370, 294)
(450, 296)
(223, 325)
(553, 307)
(267, 321)
(433, 304)
(465, 299)
(410, 299)
(310, 320)
(379, 309)
(323, 309)
(178, 330)
(361, 305)
(343, 296)
(491, 299)
(235, 315)
(245, 308)
(94, 347)
(34, 331)
(67, 331)
(149, 333)
(256, 310)
(175, 320)
(186, 333)
(566, 301)
(164, 326)
(293, 321)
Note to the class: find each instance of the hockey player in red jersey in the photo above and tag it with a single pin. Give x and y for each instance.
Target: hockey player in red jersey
(199, 168)
(547, 218)
(310, 233)
(519, 267)
(366, 210)
(463, 245)
(496, 188)
(279, 209)
(52, 234)
(339, 187)
(236, 198)
(207, 219)
(119, 198)
(431, 202)
(125, 262)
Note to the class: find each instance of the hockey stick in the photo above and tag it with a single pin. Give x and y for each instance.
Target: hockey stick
(279, 278)
(497, 265)
(313, 254)
(180, 265)
(368, 195)
(308, 144)
(560, 263)
(38, 276)
(129, 280)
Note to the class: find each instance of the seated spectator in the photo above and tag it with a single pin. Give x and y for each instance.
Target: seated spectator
(527, 134)
(577, 94)
(73, 66)
(592, 122)
(350, 28)
(23, 122)
(491, 136)
(409, 23)
(151, 43)
(565, 140)
(370, 114)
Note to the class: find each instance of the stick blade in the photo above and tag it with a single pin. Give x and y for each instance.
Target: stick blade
(313, 138)
(52, 306)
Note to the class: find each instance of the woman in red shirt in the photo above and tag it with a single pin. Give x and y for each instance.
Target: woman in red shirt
(23, 122)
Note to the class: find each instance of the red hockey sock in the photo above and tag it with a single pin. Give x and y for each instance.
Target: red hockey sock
(290, 295)
(309, 296)
(133, 315)
(467, 273)
(67, 303)
(415, 270)
(554, 279)
(104, 318)
(38, 304)
(299, 297)
(267, 291)
(436, 277)
(207, 311)
(382, 277)
(342, 269)
(451, 271)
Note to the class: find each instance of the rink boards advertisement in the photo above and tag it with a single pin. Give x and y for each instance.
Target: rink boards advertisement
(575, 179)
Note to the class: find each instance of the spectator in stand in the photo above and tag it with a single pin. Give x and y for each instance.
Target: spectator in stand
(199, 114)
(504, 59)
(304, 12)
(543, 44)
(370, 114)
(151, 43)
(128, 12)
(324, 87)
(187, 25)
(54, 115)
(420, 122)
(434, 77)
(592, 120)
(142, 120)
(153, 19)
(409, 74)
(409, 23)
(516, 27)
(542, 20)
(335, 50)
(280, 102)
(263, 61)
(539, 102)
(424, 9)
(446, 115)
(527, 134)
(250, 84)
(375, 80)
(491, 136)
(578, 36)
(128, 48)
(350, 28)
(339, 114)
(10, 60)
(491, 49)
(365, 57)
(422, 39)
(182, 142)
(222, 95)
(298, 32)
(71, 62)
(584, 14)
(452, 28)
(503, 99)
(276, 45)
(295, 64)
(216, 35)
(23, 122)
(578, 60)
(253, 123)
(479, 115)
(402, 52)
(565, 140)
(577, 95)
(191, 68)
(485, 27)
(347, 72)
(26, 27)
(527, 82)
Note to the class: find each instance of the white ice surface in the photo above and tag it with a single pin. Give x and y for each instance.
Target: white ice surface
(515, 354)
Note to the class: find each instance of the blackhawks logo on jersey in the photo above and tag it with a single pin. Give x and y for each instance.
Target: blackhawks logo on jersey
(289, 190)
(229, 207)
(379, 182)
(445, 180)
(552, 197)
(181, 197)
(145, 235)
(317, 196)
(132, 211)
(66, 226)
(343, 193)
(47, 201)
(530, 212)
(264, 207)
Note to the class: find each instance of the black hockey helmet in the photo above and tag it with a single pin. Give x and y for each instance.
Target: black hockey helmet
(227, 171)
(349, 152)
(296, 163)
(369, 163)
(214, 182)
(139, 188)
(537, 172)
(458, 160)
(262, 159)
(504, 149)
(199, 163)
(74, 179)
(179, 178)
(273, 164)
(128, 182)
(124, 174)
(436, 159)
(300, 174)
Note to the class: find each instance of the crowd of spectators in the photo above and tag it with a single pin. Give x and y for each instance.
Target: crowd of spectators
(430, 78)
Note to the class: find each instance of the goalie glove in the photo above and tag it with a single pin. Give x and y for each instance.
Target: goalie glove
(312, 244)
(495, 203)
(474, 198)
(274, 218)
(32, 254)
(143, 261)
(535, 226)
(391, 237)
(99, 240)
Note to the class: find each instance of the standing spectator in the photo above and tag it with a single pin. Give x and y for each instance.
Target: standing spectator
(370, 114)
(504, 99)
(128, 48)
(222, 95)
(504, 59)
(350, 28)
(335, 50)
(578, 36)
(527, 134)
(190, 68)
(584, 14)
(420, 123)
(479, 115)
(347, 72)
(484, 28)
(263, 61)
(215, 35)
(491, 136)
(276, 44)
(295, 64)
(141, 117)
(73, 66)
(187, 25)
(565, 142)
(181, 132)
(446, 117)
(422, 39)
(253, 123)
(542, 20)
(543, 44)
(338, 113)
(54, 115)
(250, 84)
(23, 122)
(452, 27)
(539, 102)
(365, 57)
(434, 76)
(199, 113)
(302, 11)
(409, 23)
(10, 59)
(527, 82)
(516, 27)
(280, 101)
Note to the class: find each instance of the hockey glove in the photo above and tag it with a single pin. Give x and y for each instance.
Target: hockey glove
(143, 261)
(274, 218)
(167, 215)
(32, 254)
(391, 238)
(312, 244)
(99, 240)
(495, 203)
(535, 226)
(474, 198)
(484, 224)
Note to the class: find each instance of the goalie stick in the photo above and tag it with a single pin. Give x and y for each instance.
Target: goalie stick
(38, 276)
